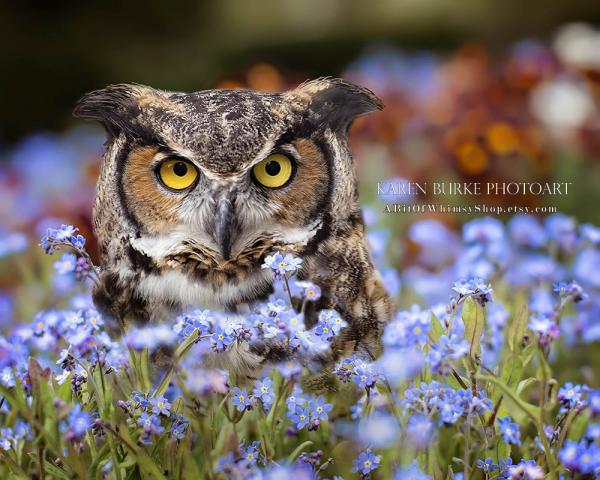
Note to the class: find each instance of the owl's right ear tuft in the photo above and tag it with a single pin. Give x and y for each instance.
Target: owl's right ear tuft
(336, 102)
(113, 107)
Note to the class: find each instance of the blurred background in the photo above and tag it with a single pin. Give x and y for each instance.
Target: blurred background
(476, 90)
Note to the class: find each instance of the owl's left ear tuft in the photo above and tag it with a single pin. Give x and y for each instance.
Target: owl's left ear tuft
(336, 102)
(113, 107)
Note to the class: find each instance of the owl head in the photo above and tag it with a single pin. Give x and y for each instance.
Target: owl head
(197, 188)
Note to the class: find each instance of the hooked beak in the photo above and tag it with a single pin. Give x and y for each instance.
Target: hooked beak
(225, 224)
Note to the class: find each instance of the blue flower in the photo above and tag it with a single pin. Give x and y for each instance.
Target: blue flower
(450, 411)
(281, 265)
(66, 235)
(150, 337)
(364, 376)
(300, 417)
(562, 230)
(65, 232)
(151, 426)
(487, 465)
(545, 327)
(6, 438)
(570, 290)
(78, 422)
(7, 378)
(206, 381)
(366, 462)
(475, 288)
(591, 233)
(419, 430)
(78, 241)
(483, 230)
(594, 402)
(589, 459)
(66, 264)
(141, 399)
(198, 320)
(509, 430)
(408, 328)
(295, 399)
(332, 319)
(179, 427)
(160, 405)
(221, 340)
(264, 391)
(318, 408)
(445, 352)
(569, 455)
(309, 290)
(379, 430)
(250, 453)
(12, 243)
(240, 399)
(525, 470)
(527, 231)
(571, 396)
(413, 472)
(593, 432)
(324, 330)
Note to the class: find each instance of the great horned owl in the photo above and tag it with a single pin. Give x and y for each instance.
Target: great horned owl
(197, 188)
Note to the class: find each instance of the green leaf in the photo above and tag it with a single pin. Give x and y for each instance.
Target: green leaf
(512, 370)
(544, 370)
(435, 328)
(474, 319)
(578, 427)
(502, 451)
(528, 353)
(55, 471)
(517, 330)
(298, 450)
(526, 408)
(524, 384)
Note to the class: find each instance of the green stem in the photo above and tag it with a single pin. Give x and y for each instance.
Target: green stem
(536, 421)
(179, 353)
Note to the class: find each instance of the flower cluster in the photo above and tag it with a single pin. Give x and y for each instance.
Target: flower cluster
(307, 410)
(461, 369)
(445, 403)
(154, 415)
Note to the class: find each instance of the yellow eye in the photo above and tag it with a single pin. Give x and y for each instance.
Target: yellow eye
(177, 174)
(274, 171)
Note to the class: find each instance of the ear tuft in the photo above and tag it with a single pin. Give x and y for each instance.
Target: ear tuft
(337, 102)
(113, 107)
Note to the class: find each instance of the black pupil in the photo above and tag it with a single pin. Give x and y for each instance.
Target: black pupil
(272, 168)
(180, 169)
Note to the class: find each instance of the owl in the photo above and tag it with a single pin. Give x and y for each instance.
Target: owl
(196, 189)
